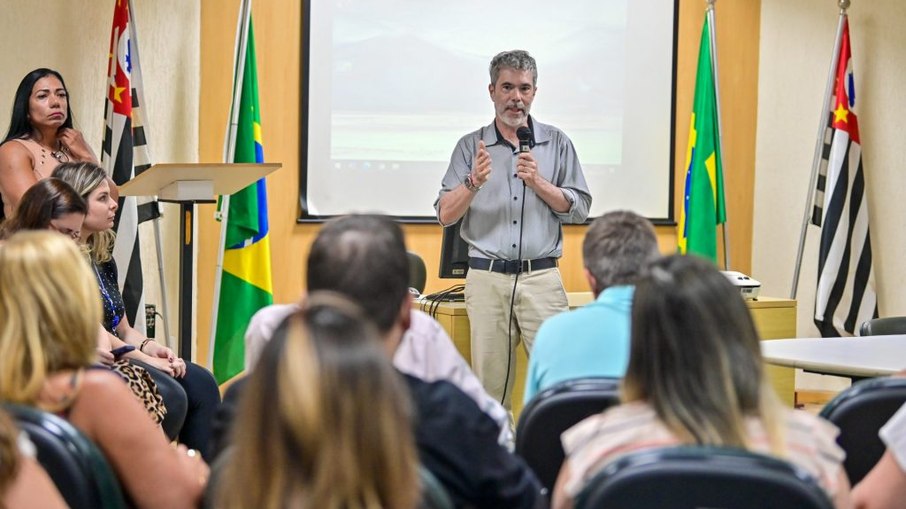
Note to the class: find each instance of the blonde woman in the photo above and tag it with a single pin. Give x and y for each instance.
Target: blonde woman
(324, 420)
(90, 181)
(49, 311)
(696, 377)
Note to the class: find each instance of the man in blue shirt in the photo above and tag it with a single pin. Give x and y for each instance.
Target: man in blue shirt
(594, 339)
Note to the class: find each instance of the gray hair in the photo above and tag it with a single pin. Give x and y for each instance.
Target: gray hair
(517, 59)
(618, 247)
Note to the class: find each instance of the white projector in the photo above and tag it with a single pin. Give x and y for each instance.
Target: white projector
(747, 286)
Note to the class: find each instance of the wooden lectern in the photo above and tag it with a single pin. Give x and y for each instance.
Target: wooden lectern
(188, 184)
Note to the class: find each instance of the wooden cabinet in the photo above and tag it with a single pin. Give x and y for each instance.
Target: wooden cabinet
(774, 319)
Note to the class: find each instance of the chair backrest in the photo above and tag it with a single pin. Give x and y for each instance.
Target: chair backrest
(73, 462)
(552, 412)
(434, 495)
(859, 412)
(696, 477)
(883, 326)
(417, 272)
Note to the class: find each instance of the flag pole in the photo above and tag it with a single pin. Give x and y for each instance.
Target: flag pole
(712, 36)
(819, 143)
(229, 150)
(165, 306)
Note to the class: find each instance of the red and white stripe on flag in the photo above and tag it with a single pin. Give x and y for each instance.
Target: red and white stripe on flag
(125, 154)
(845, 296)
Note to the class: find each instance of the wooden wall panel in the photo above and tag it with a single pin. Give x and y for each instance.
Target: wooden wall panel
(278, 34)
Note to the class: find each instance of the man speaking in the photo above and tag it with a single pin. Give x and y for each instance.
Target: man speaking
(513, 197)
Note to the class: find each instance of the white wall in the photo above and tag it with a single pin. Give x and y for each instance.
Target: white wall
(73, 37)
(797, 40)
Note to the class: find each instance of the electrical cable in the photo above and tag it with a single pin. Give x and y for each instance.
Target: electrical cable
(509, 351)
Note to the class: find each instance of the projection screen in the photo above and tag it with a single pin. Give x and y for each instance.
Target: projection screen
(388, 87)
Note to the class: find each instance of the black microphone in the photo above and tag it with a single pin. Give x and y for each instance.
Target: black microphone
(525, 138)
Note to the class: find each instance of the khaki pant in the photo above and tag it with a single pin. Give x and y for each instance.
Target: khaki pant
(539, 295)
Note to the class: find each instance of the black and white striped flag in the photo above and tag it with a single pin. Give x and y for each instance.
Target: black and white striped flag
(125, 154)
(846, 294)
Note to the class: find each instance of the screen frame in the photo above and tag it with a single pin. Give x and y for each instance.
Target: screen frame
(303, 216)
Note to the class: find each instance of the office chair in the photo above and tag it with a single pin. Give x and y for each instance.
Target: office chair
(883, 326)
(417, 272)
(552, 412)
(690, 477)
(859, 412)
(73, 462)
(434, 495)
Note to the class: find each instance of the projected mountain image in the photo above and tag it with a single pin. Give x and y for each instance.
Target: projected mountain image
(393, 85)
(401, 98)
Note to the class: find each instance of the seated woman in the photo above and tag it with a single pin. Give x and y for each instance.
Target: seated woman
(49, 204)
(52, 204)
(324, 420)
(49, 309)
(40, 136)
(90, 181)
(696, 377)
(23, 483)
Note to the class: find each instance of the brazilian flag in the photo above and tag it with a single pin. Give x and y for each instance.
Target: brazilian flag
(703, 203)
(246, 284)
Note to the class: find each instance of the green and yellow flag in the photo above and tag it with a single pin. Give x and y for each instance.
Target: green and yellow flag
(246, 284)
(703, 204)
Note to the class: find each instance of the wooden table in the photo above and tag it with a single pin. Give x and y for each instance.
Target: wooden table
(774, 318)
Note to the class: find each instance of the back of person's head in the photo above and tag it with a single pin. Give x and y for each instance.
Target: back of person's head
(47, 200)
(695, 355)
(517, 59)
(363, 257)
(84, 177)
(49, 311)
(19, 123)
(324, 419)
(617, 247)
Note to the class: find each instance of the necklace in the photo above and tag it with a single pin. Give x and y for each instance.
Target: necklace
(61, 154)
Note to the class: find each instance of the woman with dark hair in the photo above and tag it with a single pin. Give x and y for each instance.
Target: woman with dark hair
(696, 377)
(90, 181)
(49, 204)
(324, 421)
(40, 136)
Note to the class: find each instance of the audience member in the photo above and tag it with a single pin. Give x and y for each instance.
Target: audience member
(324, 420)
(426, 352)
(40, 136)
(52, 204)
(594, 339)
(90, 181)
(885, 485)
(49, 311)
(49, 204)
(456, 441)
(695, 376)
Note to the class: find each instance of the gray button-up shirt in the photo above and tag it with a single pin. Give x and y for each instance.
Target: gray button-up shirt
(491, 224)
